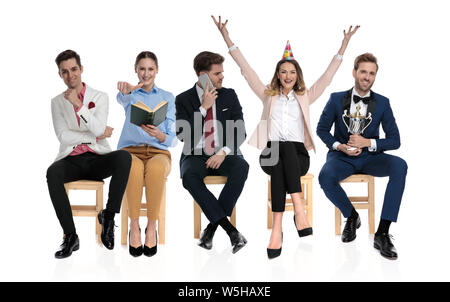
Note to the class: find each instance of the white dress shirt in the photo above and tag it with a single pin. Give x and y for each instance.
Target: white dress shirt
(362, 111)
(201, 143)
(286, 120)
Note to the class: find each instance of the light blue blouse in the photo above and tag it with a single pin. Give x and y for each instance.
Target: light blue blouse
(133, 135)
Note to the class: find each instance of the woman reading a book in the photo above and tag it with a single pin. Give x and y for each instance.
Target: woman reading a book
(284, 131)
(148, 145)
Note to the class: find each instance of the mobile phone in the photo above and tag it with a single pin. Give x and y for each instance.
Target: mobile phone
(204, 79)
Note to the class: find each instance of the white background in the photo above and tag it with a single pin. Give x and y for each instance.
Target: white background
(410, 39)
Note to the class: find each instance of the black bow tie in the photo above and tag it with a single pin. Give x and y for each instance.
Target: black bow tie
(365, 100)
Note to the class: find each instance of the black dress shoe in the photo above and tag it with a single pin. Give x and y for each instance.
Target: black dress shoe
(134, 251)
(383, 243)
(107, 230)
(206, 238)
(151, 251)
(303, 232)
(349, 232)
(71, 243)
(237, 241)
(273, 253)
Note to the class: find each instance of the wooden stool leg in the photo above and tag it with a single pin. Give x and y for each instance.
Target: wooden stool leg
(371, 200)
(124, 223)
(233, 217)
(337, 221)
(269, 217)
(99, 207)
(309, 202)
(197, 220)
(269, 210)
(162, 219)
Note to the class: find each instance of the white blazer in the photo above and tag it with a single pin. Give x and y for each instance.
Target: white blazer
(92, 122)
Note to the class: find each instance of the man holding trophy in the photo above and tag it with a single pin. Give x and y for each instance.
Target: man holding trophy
(356, 148)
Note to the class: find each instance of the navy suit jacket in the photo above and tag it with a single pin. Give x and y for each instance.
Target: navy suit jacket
(228, 108)
(381, 114)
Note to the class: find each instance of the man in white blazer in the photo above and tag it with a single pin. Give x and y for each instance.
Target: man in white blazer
(79, 118)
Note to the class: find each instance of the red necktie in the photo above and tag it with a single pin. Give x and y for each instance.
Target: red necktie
(209, 132)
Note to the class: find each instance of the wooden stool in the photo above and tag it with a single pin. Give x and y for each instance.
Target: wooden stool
(209, 180)
(306, 182)
(359, 202)
(143, 212)
(84, 210)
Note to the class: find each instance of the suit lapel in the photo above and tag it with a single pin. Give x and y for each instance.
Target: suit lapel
(195, 98)
(372, 104)
(219, 106)
(69, 113)
(346, 101)
(272, 102)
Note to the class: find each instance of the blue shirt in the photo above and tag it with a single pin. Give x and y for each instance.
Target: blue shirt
(133, 135)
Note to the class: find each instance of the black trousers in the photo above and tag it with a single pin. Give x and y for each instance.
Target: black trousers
(89, 166)
(193, 171)
(285, 162)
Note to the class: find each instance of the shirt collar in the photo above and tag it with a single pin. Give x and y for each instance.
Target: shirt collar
(289, 96)
(356, 93)
(199, 91)
(155, 89)
(82, 92)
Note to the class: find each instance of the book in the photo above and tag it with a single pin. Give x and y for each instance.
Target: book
(142, 114)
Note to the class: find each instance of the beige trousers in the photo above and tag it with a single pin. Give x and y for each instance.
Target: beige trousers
(150, 166)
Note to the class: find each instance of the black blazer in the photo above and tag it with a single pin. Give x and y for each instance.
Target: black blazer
(190, 121)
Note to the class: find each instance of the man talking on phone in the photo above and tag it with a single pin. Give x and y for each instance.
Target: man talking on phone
(210, 123)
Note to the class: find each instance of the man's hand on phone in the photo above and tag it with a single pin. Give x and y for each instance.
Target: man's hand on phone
(209, 97)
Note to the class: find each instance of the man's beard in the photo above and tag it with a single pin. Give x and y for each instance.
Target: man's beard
(358, 86)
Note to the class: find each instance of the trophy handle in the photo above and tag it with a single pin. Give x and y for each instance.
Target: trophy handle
(343, 119)
(369, 117)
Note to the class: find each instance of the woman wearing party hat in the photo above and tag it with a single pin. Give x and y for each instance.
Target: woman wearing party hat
(284, 132)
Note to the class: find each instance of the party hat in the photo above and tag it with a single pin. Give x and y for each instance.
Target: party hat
(287, 55)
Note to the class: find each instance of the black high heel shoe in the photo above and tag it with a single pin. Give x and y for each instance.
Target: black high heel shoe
(273, 253)
(151, 251)
(134, 251)
(303, 232)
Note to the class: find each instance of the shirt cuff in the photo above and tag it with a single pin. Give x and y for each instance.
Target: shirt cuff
(233, 47)
(373, 145)
(335, 145)
(202, 111)
(226, 150)
(339, 57)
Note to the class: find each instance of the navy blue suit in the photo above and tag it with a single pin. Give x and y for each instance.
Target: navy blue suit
(189, 122)
(339, 165)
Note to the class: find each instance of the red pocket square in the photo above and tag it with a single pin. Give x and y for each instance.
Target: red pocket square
(91, 105)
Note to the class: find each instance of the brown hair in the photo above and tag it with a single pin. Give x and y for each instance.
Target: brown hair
(204, 60)
(66, 55)
(146, 55)
(275, 85)
(365, 57)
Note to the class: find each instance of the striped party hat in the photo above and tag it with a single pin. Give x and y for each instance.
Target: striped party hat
(287, 55)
